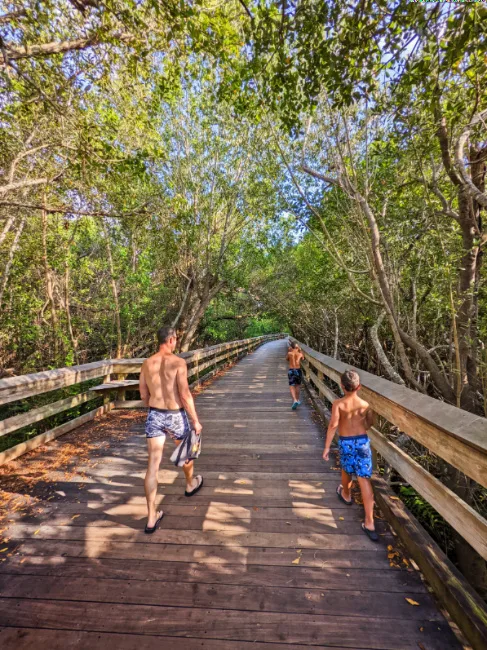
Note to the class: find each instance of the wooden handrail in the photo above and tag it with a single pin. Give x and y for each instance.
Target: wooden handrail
(435, 425)
(14, 389)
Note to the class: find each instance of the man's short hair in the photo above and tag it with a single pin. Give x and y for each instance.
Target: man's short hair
(292, 344)
(350, 380)
(165, 333)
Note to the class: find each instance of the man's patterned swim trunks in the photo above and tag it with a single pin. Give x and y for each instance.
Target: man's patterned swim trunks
(162, 422)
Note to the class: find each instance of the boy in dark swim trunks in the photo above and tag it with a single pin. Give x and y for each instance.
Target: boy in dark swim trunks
(353, 417)
(164, 389)
(294, 374)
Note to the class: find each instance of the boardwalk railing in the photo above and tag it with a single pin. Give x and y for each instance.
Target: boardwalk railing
(201, 364)
(456, 436)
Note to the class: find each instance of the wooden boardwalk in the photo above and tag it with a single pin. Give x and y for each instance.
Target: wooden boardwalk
(263, 558)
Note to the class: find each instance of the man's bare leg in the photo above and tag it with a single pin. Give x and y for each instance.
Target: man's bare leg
(298, 391)
(155, 447)
(346, 486)
(368, 499)
(293, 393)
(188, 469)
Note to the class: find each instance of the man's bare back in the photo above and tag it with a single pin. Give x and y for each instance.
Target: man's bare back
(160, 373)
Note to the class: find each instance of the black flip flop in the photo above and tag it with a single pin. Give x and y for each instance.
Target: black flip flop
(197, 488)
(149, 531)
(341, 497)
(371, 534)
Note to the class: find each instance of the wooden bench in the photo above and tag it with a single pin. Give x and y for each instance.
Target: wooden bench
(118, 385)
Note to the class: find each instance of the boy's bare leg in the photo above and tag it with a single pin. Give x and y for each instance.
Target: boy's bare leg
(155, 447)
(298, 390)
(293, 393)
(368, 499)
(346, 486)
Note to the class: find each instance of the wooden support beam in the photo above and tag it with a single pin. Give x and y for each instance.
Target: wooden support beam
(36, 415)
(13, 389)
(37, 441)
(462, 517)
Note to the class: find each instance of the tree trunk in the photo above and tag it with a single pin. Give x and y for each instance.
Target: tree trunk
(381, 355)
(113, 283)
(10, 259)
(48, 283)
(6, 229)
(67, 307)
(195, 316)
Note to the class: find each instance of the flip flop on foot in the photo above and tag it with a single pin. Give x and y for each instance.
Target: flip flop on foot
(149, 531)
(371, 534)
(341, 497)
(198, 487)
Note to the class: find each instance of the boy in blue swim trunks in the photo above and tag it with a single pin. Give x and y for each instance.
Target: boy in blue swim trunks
(352, 416)
(294, 375)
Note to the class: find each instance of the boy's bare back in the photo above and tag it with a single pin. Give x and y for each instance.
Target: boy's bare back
(160, 372)
(294, 357)
(353, 415)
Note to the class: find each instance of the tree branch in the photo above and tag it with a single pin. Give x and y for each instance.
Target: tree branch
(15, 52)
(474, 191)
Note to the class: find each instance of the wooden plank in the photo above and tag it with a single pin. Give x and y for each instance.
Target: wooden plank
(467, 609)
(34, 551)
(358, 542)
(346, 524)
(219, 595)
(21, 638)
(129, 404)
(463, 518)
(267, 627)
(16, 388)
(457, 436)
(41, 439)
(253, 575)
(114, 385)
(43, 412)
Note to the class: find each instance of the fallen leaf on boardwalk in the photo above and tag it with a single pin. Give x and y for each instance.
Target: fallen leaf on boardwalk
(341, 518)
(288, 523)
(296, 561)
(4, 549)
(74, 516)
(421, 629)
(37, 531)
(390, 548)
(394, 498)
(254, 508)
(22, 560)
(299, 551)
(412, 602)
(421, 646)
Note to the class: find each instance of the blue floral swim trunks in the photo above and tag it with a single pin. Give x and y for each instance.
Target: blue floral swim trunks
(295, 376)
(162, 422)
(356, 455)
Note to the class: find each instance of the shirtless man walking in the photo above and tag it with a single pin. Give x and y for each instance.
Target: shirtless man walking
(294, 374)
(164, 389)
